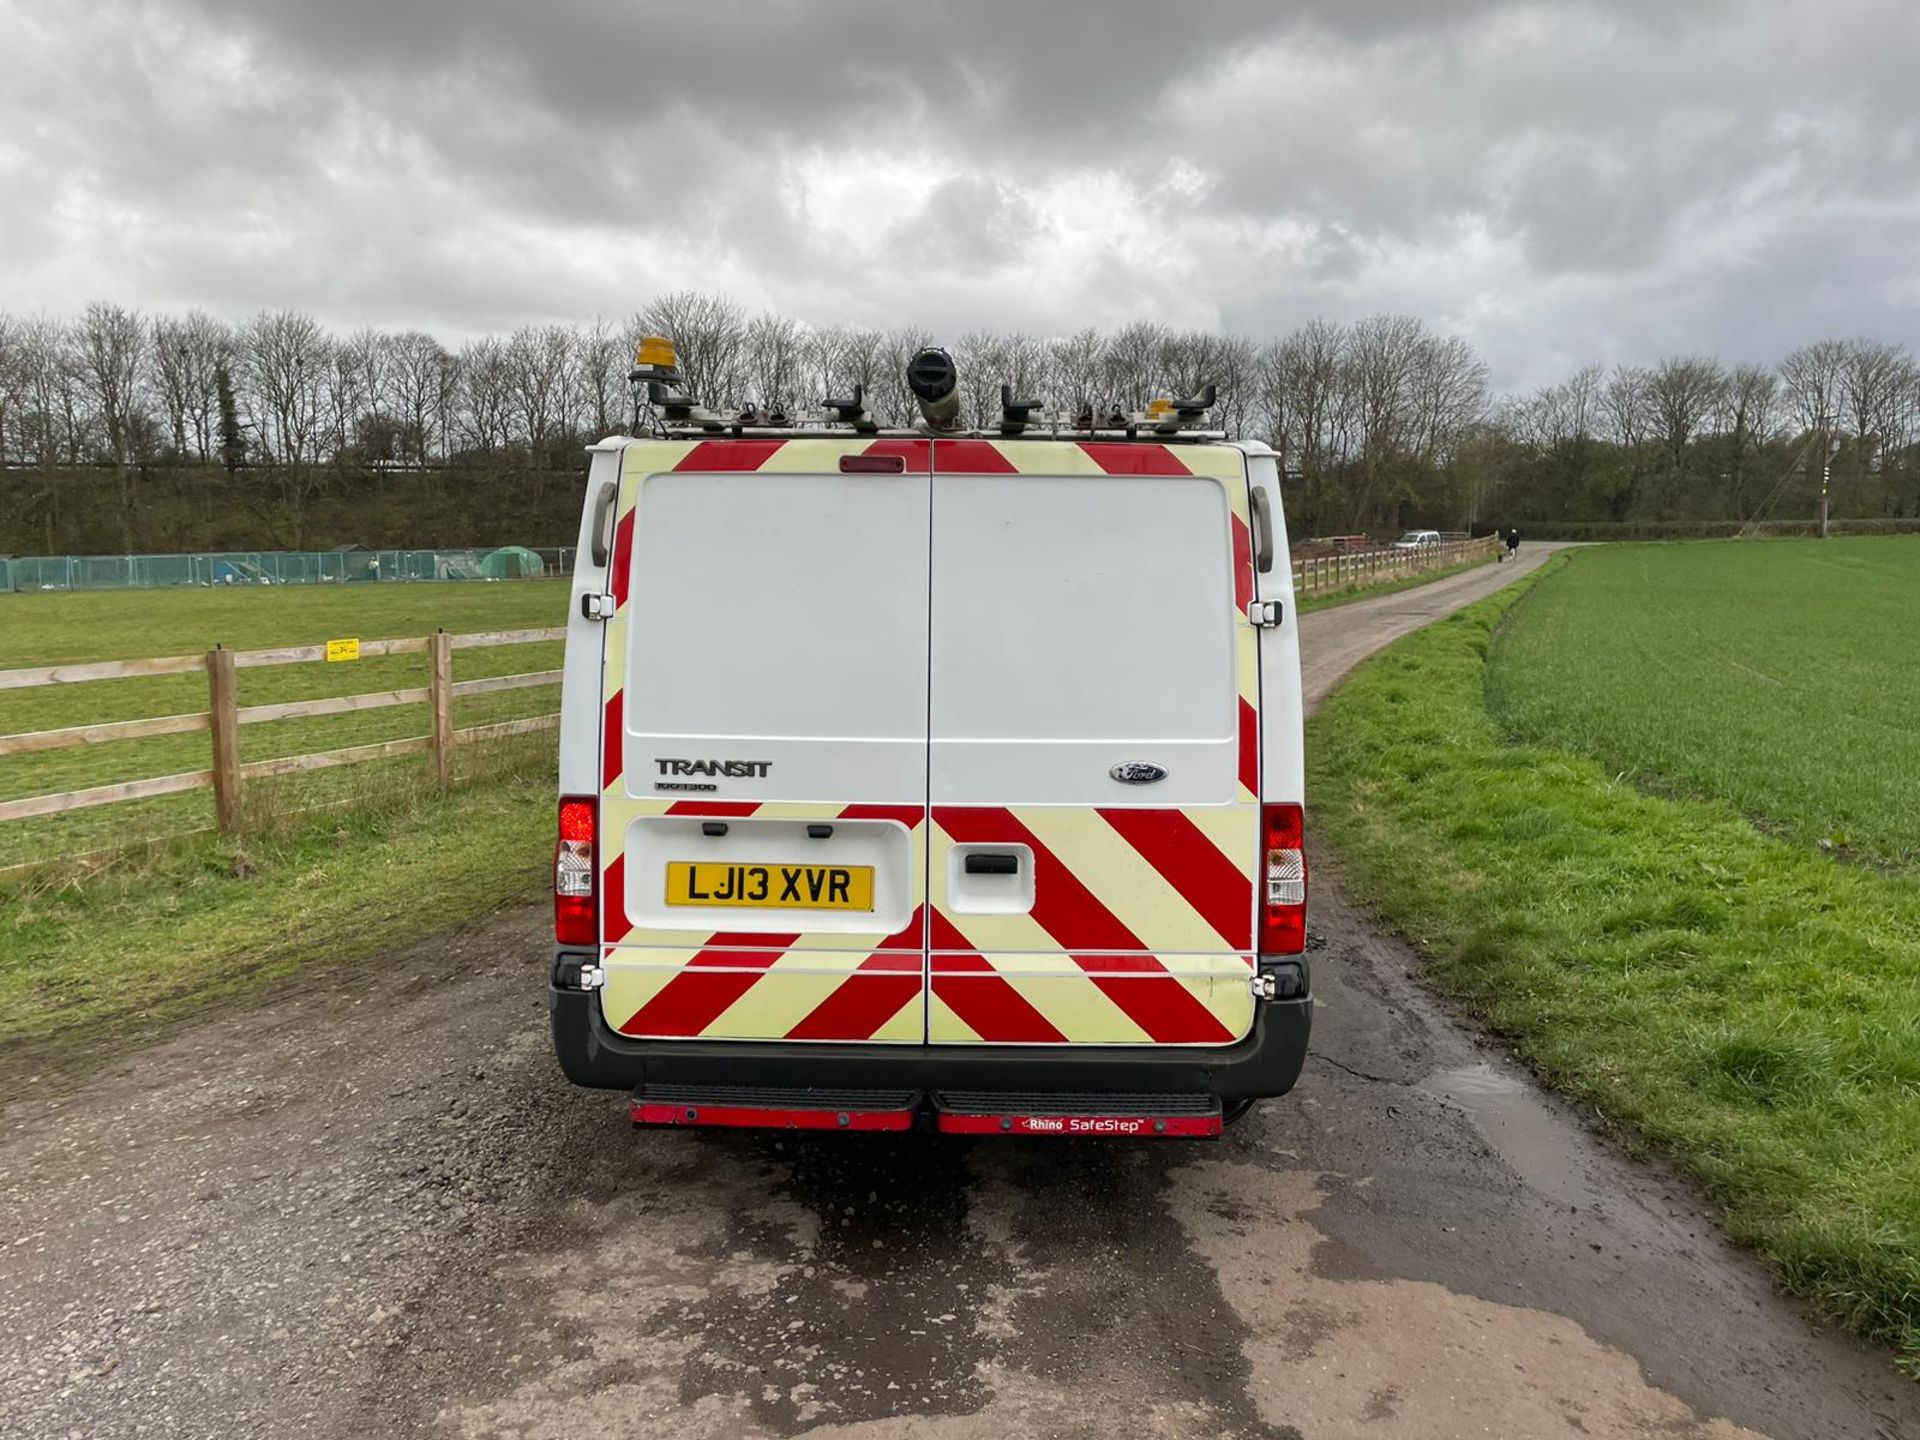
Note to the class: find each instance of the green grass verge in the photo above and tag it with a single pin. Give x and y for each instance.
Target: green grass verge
(56, 629)
(1783, 677)
(1747, 1004)
(99, 955)
(89, 966)
(1326, 600)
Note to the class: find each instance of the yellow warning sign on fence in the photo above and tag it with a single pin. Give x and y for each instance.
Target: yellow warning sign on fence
(343, 650)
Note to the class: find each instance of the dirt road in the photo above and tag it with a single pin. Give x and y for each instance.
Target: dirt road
(374, 1209)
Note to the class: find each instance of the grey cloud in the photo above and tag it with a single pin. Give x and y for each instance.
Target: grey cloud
(971, 223)
(1559, 181)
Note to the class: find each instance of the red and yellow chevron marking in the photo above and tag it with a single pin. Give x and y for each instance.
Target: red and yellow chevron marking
(755, 987)
(738, 985)
(1140, 930)
(1143, 923)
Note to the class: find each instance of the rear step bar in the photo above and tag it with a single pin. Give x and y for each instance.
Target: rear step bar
(953, 1112)
(990, 1112)
(764, 1107)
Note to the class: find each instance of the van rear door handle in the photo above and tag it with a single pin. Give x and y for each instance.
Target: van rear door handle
(993, 864)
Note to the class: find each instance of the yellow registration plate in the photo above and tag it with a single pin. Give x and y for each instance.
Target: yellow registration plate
(771, 887)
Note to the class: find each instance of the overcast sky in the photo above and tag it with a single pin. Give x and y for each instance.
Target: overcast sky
(1600, 179)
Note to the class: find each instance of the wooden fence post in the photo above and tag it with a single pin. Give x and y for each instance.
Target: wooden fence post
(223, 721)
(440, 701)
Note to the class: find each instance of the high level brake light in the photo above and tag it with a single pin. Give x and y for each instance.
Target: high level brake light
(1283, 904)
(576, 873)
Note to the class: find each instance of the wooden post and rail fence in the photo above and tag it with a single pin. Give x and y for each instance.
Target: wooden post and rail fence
(225, 715)
(1316, 575)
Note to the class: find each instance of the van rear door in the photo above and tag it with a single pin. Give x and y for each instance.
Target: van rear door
(1094, 752)
(765, 746)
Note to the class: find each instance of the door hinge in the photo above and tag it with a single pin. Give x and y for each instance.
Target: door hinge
(597, 607)
(592, 977)
(1265, 614)
(1286, 982)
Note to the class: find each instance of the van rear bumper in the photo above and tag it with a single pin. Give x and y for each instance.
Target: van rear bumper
(1265, 1063)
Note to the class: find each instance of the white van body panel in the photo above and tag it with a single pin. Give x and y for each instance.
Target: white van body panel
(581, 668)
(827, 686)
(1282, 714)
(1079, 627)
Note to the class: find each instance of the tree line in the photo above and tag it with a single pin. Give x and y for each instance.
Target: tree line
(1381, 422)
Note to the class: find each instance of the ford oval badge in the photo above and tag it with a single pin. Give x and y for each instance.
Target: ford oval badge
(1137, 772)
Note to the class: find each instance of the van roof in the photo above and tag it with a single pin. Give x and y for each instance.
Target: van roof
(1210, 438)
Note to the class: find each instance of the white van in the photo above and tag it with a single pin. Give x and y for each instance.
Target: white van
(932, 778)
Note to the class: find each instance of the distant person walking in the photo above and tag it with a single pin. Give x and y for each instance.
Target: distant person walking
(1513, 543)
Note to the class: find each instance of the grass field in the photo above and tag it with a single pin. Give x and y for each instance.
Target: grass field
(1732, 995)
(56, 629)
(107, 954)
(1783, 678)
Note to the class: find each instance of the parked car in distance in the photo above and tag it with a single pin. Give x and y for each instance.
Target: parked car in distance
(1417, 540)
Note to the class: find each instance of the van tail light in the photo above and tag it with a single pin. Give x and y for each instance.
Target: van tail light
(576, 873)
(1283, 904)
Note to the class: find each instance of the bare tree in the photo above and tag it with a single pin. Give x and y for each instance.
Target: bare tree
(1626, 406)
(12, 384)
(486, 394)
(981, 358)
(1383, 421)
(111, 348)
(1627, 412)
(1449, 395)
(1131, 363)
(1872, 386)
(601, 364)
(1684, 392)
(1379, 364)
(1303, 400)
(1813, 379)
(422, 376)
(187, 351)
(574, 413)
(1234, 369)
(52, 425)
(775, 359)
(362, 395)
(1078, 365)
(1748, 419)
(284, 356)
(538, 362)
(1582, 392)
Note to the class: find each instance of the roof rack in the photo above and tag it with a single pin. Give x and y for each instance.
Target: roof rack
(933, 379)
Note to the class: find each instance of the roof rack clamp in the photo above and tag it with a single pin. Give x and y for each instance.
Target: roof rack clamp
(1015, 415)
(852, 411)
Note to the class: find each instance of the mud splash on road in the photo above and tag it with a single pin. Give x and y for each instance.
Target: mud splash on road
(877, 1316)
(835, 1285)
